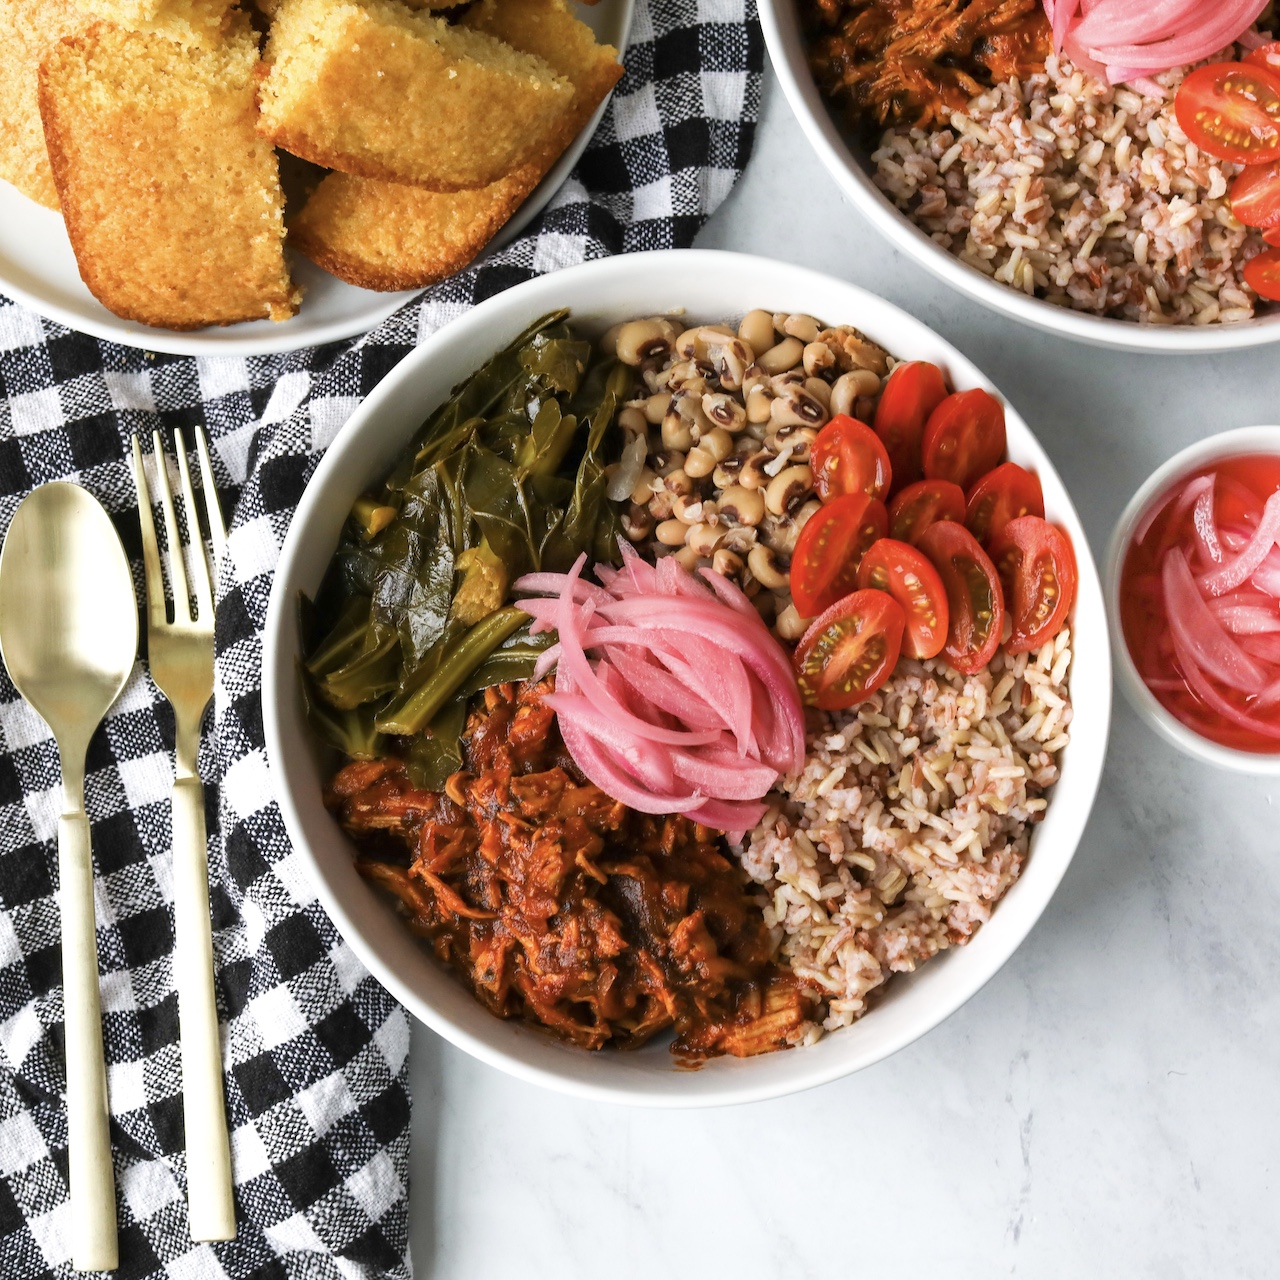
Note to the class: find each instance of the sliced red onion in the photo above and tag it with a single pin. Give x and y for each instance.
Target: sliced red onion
(1237, 570)
(1199, 633)
(1180, 503)
(1206, 528)
(690, 703)
(1203, 688)
(1128, 39)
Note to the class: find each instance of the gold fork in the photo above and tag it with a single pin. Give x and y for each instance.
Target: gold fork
(181, 659)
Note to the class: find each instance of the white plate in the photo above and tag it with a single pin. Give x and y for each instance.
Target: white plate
(848, 165)
(38, 269)
(710, 286)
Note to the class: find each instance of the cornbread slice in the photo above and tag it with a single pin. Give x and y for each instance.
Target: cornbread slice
(548, 30)
(375, 89)
(188, 21)
(271, 7)
(171, 198)
(381, 235)
(27, 29)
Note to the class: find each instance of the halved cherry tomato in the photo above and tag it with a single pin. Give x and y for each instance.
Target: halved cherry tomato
(848, 457)
(824, 565)
(850, 651)
(1262, 274)
(924, 503)
(1000, 496)
(909, 577)
(913, 391)
(1266, 56)
(964, 437)
(1037, 567)
(1272, 236)
(1255, 196)
(1232, 111)
(973, 594)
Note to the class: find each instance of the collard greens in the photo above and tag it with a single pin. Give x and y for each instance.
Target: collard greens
(414, 617)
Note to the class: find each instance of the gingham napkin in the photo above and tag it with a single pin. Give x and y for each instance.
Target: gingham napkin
(315, 1050)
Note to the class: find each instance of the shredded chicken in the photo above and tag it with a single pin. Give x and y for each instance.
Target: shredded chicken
(917, 61)
(559, 905)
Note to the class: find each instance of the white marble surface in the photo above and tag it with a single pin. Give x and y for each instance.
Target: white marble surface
(1106, 1106)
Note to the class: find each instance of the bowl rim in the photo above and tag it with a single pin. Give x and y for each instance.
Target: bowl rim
(785, 44)
(1224, 444)
(477, 325)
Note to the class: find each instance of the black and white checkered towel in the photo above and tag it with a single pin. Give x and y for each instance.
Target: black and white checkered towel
(315, 1050)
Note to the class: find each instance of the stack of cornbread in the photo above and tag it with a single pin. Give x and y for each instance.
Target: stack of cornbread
(152, 125)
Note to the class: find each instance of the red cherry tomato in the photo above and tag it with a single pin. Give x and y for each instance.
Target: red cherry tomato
(1255, 196)
(1232, 111)
(1000, 496)
(848, 457)
(924, 503)
(964, 438)
(909, 577)
(973, 595)
(824, 565)
(911, 393)
(1037, 568)
(1262, 274)
(1272, 236)
(850, 651)
(1266, 56)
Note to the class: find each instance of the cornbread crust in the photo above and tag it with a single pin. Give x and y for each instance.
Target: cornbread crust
(381, 235)
(27, 30)
(171, 198)
(376, 89)
(200, 22)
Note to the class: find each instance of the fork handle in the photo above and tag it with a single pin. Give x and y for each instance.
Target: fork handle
(210, 1206)
(93, 1191)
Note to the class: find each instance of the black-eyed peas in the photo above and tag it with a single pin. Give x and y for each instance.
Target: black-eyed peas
(730, 417)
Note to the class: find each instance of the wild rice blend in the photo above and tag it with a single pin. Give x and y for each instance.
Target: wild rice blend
(911, 818)
(1081, 193)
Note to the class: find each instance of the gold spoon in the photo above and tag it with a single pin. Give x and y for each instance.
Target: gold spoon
(69, 636)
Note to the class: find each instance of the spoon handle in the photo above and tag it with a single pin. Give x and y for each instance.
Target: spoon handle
(210, 1206)
(93, 1193)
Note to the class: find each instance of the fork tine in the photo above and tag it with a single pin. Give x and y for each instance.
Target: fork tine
(177, 570)
(199, 564)
(209, 491)
(152, 573)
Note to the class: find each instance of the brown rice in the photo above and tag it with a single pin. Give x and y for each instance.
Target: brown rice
(1081, 193)
(910, 819)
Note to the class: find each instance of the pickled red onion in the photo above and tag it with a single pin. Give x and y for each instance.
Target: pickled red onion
(671, 694)
(1127, 39)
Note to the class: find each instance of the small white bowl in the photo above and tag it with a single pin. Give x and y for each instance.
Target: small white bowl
(849, 165)
(1227, 444)
(706, 286)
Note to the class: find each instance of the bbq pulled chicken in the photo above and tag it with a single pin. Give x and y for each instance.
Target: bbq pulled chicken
(918, 61)
(562, 906)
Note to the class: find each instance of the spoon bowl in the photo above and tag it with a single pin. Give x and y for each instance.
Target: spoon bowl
(68, 621)
(69, 636)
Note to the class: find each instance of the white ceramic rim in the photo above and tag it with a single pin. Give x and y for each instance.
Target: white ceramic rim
(276, 338)
(786, 52)
(484, 328)
(1226, 444)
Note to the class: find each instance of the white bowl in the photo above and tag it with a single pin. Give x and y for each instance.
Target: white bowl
(1226, 444)
(707, 286)
(38, 268)
(848, 164)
